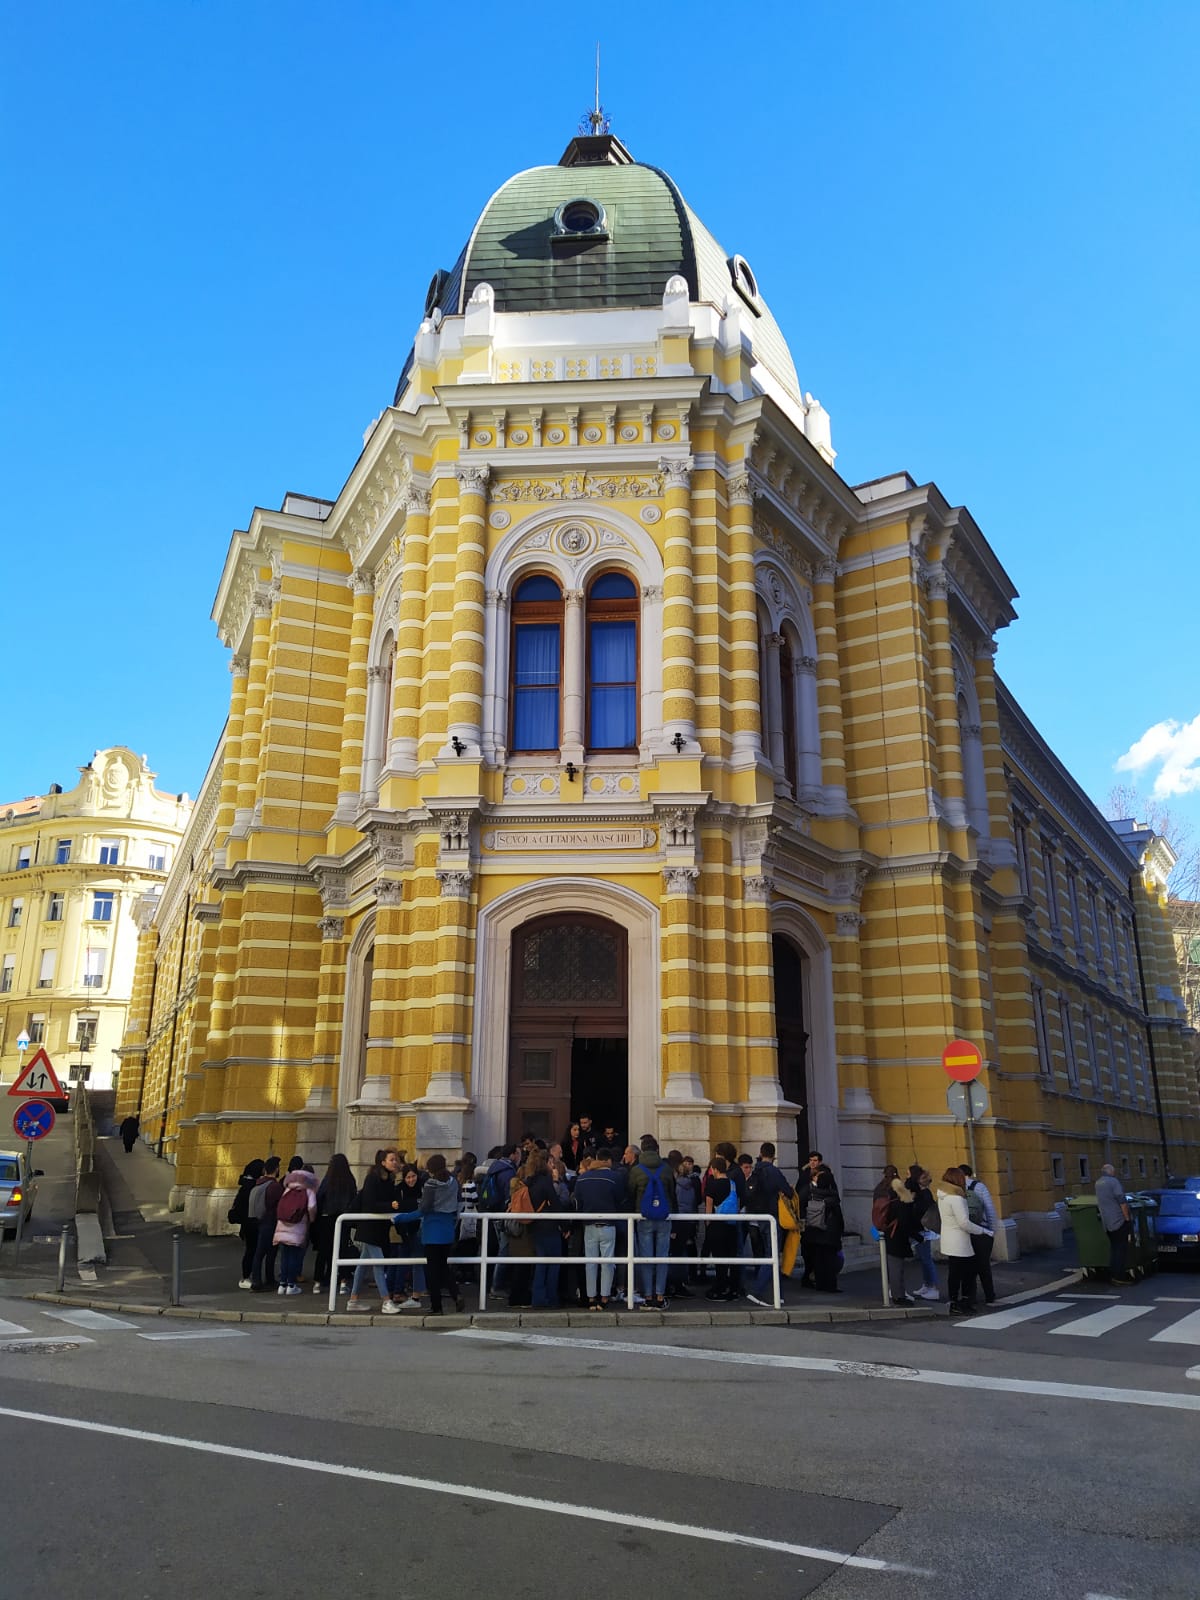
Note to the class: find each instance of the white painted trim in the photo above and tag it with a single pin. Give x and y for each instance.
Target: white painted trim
(493, 995)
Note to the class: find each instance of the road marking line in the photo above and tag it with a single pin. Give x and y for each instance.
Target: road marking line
(1161, 1398)
(205, 1333)
(7, 1328)
(466, 1491)
(1008, 1319)
(1102, 1597)
(1102, 1321)
(1185, 1331)
(1089, 1297)
(1192, 1372)
(1177, 1300)
(88, 1319)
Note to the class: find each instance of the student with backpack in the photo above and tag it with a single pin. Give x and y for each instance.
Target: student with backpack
(651, 1195)
(981, 1209)
(293, 1215)
(263, 1200)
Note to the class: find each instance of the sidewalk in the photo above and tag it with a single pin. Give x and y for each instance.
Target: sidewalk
(137, 1276)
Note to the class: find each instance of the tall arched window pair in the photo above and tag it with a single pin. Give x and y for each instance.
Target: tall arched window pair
(540, 640)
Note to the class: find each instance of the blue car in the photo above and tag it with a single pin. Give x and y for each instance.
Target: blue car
(1178, 1226)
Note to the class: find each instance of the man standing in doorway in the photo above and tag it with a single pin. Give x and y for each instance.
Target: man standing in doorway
(1116, 1220)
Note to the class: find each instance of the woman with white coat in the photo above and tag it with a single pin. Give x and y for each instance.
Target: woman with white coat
(957, 1229)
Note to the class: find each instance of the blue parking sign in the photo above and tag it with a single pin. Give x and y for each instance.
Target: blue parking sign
(33, 1120)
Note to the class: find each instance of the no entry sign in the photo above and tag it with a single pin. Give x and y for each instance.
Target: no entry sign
(962, 1060)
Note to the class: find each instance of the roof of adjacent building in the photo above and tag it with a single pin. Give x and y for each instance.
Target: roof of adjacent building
(649, 234)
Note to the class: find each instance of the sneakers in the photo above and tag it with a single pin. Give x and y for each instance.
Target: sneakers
(902, 1299)
(755, 1301)
(292, 1288)
(282, 1289)
(411, 1304)
(356, 1304)
(390, 1308)
(245, 1283)
(928, 1294)
(320, 1288)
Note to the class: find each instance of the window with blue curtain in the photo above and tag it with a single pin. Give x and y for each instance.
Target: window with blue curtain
(536, 670)
(612, 663)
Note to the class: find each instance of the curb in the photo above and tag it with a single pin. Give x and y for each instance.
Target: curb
(789, 1316)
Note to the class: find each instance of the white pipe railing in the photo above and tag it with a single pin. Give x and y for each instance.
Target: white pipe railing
(628, 1259)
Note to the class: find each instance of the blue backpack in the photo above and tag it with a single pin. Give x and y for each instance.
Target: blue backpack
(655, 1205)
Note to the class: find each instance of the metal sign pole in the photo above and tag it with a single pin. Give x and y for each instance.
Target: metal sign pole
(970, 1099)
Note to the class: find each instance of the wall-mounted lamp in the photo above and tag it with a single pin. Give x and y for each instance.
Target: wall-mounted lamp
(678, 741)
(457, 745)
(572, 772)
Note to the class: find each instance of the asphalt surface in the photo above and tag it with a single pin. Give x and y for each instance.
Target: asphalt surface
(984, 1491)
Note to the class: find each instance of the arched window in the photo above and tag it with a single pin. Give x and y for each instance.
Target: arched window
(612, 655)
(537, 618)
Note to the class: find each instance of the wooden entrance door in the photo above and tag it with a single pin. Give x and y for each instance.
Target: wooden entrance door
(569, 982)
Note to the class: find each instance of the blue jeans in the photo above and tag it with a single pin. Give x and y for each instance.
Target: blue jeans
(369, 1254)
(598, 1240)
(653, 1239)
(547, 1241)
(923, 1250)
(291, 1262)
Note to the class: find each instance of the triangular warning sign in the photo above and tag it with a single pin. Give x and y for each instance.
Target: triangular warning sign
(37, 1077)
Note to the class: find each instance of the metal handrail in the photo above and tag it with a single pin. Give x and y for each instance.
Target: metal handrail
(629, 1259)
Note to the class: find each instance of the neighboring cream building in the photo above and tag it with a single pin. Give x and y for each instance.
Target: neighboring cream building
(599, 747)
(72, 867)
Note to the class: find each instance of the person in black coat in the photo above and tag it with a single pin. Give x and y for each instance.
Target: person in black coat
(337, 1193)
(375, 1236)
(247, 1226)
(824, 1226)
(130, 1129)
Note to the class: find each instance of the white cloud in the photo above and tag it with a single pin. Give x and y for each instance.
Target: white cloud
(1174, 748)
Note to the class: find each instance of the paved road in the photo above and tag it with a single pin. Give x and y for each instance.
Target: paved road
(788, 1459)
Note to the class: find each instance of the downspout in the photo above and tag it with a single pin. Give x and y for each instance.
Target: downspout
(1137, 950)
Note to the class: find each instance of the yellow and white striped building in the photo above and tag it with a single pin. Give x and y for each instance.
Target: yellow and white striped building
(598, 748)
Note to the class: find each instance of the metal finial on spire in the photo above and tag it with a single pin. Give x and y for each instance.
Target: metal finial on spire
(595, 121)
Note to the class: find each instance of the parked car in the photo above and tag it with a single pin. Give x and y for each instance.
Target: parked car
(18, 1190)
(1178, 1226)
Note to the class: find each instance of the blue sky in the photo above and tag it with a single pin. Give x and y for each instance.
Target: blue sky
(976, 224)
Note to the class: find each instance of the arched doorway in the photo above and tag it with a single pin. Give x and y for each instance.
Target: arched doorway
(791, 1032)
(568, 1025)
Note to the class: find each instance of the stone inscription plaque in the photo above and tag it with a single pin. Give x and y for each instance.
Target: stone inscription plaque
(569, 838)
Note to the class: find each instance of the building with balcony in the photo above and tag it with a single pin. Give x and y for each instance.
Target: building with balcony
(73, 865)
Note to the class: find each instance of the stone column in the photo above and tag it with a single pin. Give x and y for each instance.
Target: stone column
(679, 621)
(775, 708)
(410, 635)
(231, 765)
(375, 716)
(354, 716)
(808, 724)
(573, 678)
(252, 720)
(745, 704)
(466, 650)
(829, 680)
(949, 776)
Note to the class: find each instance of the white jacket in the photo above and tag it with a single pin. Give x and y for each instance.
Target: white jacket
(957, 1226)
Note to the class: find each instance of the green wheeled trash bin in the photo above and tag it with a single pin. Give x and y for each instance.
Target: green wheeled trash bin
(1143, 1241)
(1091, 1241)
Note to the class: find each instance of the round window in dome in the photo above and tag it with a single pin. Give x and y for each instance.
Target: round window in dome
(434, 292)
(580, 217)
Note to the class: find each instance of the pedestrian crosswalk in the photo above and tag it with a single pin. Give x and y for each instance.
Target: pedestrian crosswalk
(47, 1327)
(1171, 1324)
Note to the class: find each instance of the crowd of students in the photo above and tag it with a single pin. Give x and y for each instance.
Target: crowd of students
(542, 1201)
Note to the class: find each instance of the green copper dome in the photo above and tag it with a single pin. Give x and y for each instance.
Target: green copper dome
(600, 231)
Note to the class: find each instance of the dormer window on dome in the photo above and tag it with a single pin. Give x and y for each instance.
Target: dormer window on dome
(580, 218)
(745, 283)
